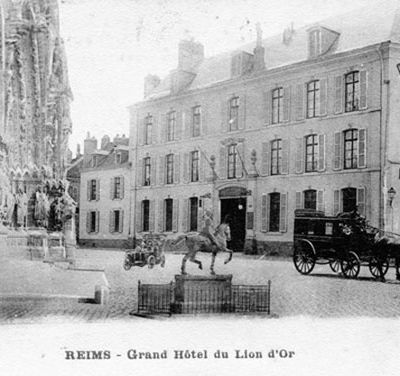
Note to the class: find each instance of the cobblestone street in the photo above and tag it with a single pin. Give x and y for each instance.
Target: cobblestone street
(321, 294)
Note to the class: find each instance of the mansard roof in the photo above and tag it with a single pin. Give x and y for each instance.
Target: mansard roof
(356, 29)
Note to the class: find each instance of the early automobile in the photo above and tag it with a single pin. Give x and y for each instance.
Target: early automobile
(149, 251)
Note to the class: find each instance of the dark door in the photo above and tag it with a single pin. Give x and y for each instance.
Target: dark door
(236, 209)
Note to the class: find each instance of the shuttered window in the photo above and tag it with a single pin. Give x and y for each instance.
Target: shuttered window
(170, 168)
(352, 91)
(145, 215)
(147, 171)
(168, 214)
(234, 114)
(276, 157)
(148, 129)
(277, 105)
(274, 211)
(193, 213)
(194, 166)
(350, 148)
(171, 125)
(92, 221)
(116, 220)
(310, 199)
(196, 121)
(313, 99)
(311, 153)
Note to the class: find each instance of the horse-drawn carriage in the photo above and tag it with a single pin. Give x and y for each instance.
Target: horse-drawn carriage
(149, 251)
(344, 242)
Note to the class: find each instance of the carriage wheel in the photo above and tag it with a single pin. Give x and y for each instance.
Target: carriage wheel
(373, 266)
(162, 262)
(127, 264)
(304, 257)
(151, 261)
(335, 265)
(351, 265)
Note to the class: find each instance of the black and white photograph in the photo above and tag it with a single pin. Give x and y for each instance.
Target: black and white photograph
(199, 187)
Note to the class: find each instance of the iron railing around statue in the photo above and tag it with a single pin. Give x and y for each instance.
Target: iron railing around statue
(162, 299)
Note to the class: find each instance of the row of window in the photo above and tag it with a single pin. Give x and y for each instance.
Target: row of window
(273, 209)
(277, 102)
(116, 221)
(116, 189)
(349, 153)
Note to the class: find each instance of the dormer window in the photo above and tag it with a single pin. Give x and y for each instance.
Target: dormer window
(315, 43)
(118, 158)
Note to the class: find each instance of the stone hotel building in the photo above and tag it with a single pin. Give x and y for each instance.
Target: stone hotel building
(305, 119)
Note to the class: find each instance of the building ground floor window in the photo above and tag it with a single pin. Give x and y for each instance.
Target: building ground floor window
(92, 221)
(116, 220)
(168, 214)
(193, 213)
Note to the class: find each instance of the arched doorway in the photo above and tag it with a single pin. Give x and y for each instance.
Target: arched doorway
(233, 203)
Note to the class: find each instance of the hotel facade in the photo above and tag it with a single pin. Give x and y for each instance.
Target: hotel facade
(306, 119)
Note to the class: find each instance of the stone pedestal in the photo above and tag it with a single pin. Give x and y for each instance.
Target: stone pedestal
(202, 294)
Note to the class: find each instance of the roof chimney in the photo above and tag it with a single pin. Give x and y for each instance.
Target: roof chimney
(89, 144)
(150, 83)
(259, 51)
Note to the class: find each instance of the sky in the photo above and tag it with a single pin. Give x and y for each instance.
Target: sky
(112, 45)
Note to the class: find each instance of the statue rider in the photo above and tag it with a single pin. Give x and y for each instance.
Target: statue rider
(208, 230)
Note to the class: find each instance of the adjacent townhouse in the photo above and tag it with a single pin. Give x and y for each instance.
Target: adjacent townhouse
(104, 193)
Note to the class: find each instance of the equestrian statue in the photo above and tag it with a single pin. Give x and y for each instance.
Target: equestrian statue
(210, 239)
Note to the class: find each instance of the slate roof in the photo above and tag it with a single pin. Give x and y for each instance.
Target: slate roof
(360, 28)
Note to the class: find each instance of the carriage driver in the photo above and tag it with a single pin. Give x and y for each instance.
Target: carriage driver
(209, 229)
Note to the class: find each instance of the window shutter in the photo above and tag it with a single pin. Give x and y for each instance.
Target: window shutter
(186, 167)
(224, 116)
(363, 89)
(175, 216)
(111, 224)
(299, 155)
(97, 220)
(265, 158)
(140, 172)
(240, 171)
(286, 104)
(299, 200)
(299, 102)
(202, 166)
(338, 94)
(154, 129)
(160, 218)
(200, 216)
(320, 201)
(203, 122)
(139, 210)
(361, 201)
(178, 125)
(121, 221)
(88, 190)
(222, 162)
(122, 187)
(266, 106)
(176, 168)
(185, 209)
(152, 212)
(336, 202)
(97, 189)
(242, 112)
(187, 123)
(161, 168)
(88, 222)
(153, 171)
(285, 157)
(362, 146)
(283, 213)
(337, 159)
(323, 86)
(264, 213)
(321, 152)
(112, 188)
(163, 129)
(141, 131)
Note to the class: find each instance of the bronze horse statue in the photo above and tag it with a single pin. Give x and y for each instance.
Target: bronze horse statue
(200, 243)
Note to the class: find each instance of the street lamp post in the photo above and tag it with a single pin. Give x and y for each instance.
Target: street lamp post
(391, 195)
